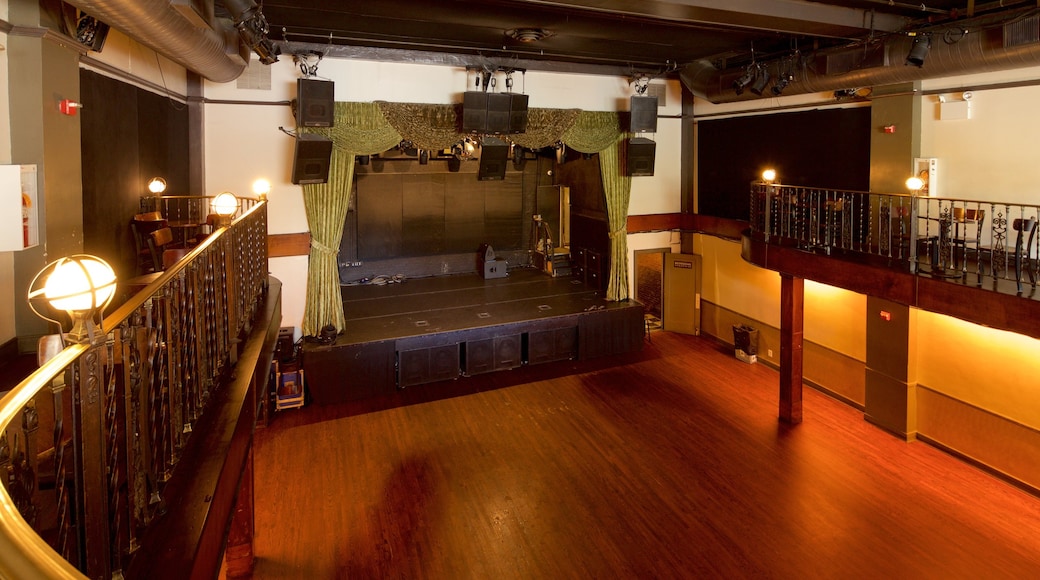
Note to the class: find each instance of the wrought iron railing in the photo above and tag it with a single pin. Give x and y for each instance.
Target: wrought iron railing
(89, 440)
(976, 241)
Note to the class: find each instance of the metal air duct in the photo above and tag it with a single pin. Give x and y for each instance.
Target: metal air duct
(214, 52)
(883, 63)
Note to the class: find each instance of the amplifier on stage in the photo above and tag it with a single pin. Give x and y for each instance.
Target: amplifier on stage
(488, 265)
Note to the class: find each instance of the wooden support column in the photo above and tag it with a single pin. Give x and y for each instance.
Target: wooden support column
(792, 310)
(239, 554)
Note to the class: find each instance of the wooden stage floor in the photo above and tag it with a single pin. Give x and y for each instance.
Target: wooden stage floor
(441, 328)
(424, 306)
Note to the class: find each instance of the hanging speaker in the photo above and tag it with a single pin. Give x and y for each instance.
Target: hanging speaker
(474, 112)
(517, 113)
(311, 159)
(639, 156)
(644, 114)
(499, 113)
(493, 155)
(315, 102)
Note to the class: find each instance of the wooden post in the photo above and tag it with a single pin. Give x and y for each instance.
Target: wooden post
(94, 531)
(792, 310)
(239, 553)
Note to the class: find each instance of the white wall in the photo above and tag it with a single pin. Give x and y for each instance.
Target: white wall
(992, 155)
(7, 291)
(243, 141)
(128, 55)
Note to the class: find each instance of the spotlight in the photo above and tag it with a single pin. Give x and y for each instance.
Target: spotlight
(761, 80)
(919, 49)
(781, 83)
(745, 79)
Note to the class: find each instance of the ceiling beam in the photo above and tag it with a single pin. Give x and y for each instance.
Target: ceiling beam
(783, 16)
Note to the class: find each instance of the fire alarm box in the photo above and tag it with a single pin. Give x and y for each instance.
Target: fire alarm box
(20, 213)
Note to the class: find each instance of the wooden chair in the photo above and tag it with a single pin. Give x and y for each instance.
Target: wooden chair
(158, 242)
(172, 256)
(976, 217)
(141, 227)
(1026, 228)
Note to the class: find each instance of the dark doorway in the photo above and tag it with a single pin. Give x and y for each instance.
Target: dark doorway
(649, 269)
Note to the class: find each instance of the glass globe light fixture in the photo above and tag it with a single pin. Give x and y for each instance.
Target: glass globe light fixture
(914, 184)
(157, 185)
(225, 204)
(769, 175)
(82, 286)
(262, 187)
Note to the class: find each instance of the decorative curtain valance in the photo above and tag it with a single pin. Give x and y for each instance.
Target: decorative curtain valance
(359, 128)
(430, 127)
(593, 131)
(545, 127)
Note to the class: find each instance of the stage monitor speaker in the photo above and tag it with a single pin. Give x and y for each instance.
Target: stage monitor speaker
(493, 155)
(517, 113)
(644, 114)
(474, 112)
(640, 156)
(499, 113)
(315, 103)
(311, 159)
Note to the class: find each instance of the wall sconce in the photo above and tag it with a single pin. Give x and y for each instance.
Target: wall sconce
(157, 185)
(262, 187)
(225, 204)
(82, 286)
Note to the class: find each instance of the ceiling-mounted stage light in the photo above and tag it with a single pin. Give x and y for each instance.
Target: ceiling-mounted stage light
(743, 81)
(781, 83)
(919, 49)
(761, 80)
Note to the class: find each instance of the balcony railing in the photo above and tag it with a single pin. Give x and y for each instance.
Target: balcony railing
(980, 242)
(89, 442)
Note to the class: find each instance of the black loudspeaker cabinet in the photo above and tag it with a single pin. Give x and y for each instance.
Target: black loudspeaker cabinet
(474, 112)
(494, 153)
(517, 113)
(311, 159)
(499, 111)
(315, 103)
(644, 114)
(639, 158)
(494, 113)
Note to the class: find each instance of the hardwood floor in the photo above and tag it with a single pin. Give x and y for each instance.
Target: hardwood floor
(667, 463)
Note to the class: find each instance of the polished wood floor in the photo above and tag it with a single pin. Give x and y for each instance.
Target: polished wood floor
(667, 463)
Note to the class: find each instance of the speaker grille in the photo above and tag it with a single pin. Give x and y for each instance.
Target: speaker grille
(640, 156)
(311, 159)
(644, 114)
(316, 102)
(493, 155)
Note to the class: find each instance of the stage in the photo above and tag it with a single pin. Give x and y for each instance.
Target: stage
(426, 330)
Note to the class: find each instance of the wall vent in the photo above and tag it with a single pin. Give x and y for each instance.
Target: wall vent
(1022, 32)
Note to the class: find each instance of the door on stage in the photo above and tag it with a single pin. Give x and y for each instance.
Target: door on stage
(681, 310)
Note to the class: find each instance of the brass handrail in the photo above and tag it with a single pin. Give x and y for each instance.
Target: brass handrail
(140, 387)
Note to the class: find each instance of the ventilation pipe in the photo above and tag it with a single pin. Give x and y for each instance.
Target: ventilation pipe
(991, 49)
(216, 52)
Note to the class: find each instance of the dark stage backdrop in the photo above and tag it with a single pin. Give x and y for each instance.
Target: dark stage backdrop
(827, 148)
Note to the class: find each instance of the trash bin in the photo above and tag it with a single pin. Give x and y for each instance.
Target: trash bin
(745, 343)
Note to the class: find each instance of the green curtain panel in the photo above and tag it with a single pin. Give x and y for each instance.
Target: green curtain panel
(600, 132)
(359, 129)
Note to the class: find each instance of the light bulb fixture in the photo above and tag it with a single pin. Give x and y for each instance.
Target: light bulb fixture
(262, 187)
(914, 184)
(769, 175)
(80, 285)
(157, 185)
(225, 204)
(922, 43)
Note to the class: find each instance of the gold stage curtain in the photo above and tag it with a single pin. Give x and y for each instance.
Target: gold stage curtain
(430, 127)
(359, 129)
(545, 127)
(600, 132)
